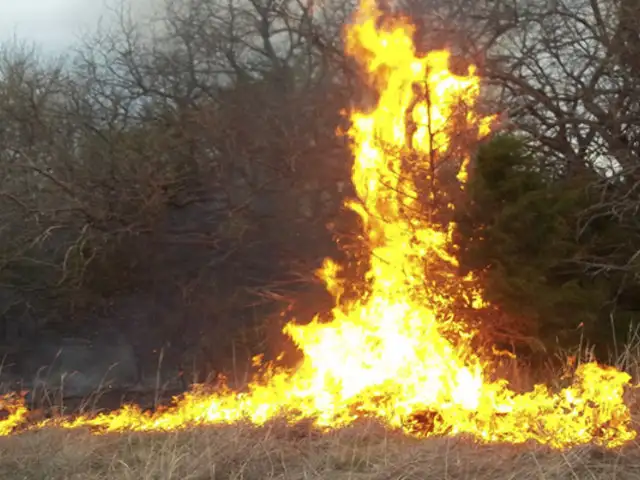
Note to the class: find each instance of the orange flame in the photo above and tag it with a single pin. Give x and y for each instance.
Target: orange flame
(398, 352)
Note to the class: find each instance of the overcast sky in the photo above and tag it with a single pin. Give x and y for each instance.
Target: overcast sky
(54, 24)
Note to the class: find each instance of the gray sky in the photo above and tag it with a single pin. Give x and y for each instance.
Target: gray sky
(54, 24)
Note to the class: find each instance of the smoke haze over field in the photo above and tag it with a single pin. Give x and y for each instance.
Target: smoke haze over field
(55, 25)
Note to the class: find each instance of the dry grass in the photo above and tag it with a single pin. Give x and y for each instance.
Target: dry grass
(365, 451)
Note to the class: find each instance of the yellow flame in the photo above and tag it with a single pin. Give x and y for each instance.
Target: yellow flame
(399, 352)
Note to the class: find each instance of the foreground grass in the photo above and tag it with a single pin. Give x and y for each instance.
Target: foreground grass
(364, 451)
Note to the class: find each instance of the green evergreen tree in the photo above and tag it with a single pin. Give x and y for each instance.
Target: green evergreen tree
(517, 232)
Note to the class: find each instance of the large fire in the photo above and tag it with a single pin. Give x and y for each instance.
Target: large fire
(398, 352)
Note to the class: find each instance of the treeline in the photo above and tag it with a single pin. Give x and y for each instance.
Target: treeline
(177, 177)
(169, 181)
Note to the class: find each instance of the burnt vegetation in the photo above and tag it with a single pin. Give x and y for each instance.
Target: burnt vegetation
(179, 177)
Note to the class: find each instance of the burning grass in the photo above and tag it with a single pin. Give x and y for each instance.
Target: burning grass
(361, 451)
(277, 450)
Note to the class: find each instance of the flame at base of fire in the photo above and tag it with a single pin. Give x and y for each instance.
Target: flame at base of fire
(412, 379)
(559, 420)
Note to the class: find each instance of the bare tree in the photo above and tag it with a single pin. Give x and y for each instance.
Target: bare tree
(194, 152)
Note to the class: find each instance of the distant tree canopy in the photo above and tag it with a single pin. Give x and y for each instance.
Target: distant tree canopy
(201, 157)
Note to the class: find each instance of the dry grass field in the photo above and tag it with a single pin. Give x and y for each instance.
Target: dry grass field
(364, 451)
